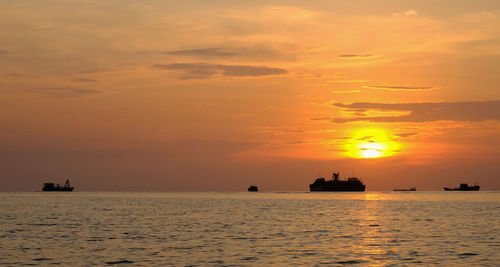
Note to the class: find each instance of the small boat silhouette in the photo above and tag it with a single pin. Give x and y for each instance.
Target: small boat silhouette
(253, 188)
(409, 189)
(51, 187)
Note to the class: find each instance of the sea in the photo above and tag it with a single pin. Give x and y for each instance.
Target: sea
(250, 229)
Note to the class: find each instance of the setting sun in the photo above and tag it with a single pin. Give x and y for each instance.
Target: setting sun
(372, 150)
(371, 143)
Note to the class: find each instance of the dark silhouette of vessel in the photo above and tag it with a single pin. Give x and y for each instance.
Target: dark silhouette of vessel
(463, 187)
(51, 187)
(351, 184)
(253, 188)
(409, 189)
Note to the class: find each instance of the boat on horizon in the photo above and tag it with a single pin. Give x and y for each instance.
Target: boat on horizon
(352, 184)
(409, 189)
(253, 188)
(463, 187)
(56, 187)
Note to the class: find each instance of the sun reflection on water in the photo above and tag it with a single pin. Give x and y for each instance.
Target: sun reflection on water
(373, 241)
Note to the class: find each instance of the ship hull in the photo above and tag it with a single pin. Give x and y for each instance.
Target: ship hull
(336, 188)
(473, 188)
(58, 190)
(411, 189)
(463, 187)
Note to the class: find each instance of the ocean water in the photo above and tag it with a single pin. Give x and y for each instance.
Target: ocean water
(242, 229)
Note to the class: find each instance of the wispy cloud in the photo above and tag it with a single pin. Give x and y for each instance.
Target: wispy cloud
(423, 112)
(64, 92)
(479, 46)
(398, 88)
(347, 81)
(346, 92)
(12, 74)
(405, 135)
(411, 12)
(3, 52)
(204, 70)
(216, 52)
(92, 71)
(260, 52)
(84, 80)
(354, 56)
(320, 118)
(295, 142)
(308, 76)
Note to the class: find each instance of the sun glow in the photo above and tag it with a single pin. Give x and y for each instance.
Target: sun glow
(371, 150)
(371, 143)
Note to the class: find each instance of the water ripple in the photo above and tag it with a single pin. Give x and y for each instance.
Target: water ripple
(239, 229)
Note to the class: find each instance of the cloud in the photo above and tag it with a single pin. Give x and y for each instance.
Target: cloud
(216, 52)
(295, 142)
(203, 70)
(366, 138)
(236, 70)
(347, 81)
(308, 76)
(320, 118)
(398, 88)
(407, 13)
(12, 74)
(423, 112)
(84, 80)
(257, 52)
(346, 92)
(3, 52)
(356, 56)
(410, 12)
(64, 92)
(404, 135)
(89, 71)
(489, 46)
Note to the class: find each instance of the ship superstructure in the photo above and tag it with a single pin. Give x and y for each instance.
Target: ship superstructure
(336, 184)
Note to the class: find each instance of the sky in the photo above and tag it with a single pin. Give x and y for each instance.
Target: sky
(217, 95)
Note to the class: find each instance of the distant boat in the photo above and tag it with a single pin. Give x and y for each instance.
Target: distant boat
(51, 187)
(253, 188)
(351, 184)
(409, 189)
(463, 187)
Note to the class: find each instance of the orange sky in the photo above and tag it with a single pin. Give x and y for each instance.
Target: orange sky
(216, 95)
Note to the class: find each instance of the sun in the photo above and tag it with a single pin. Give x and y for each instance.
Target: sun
(371, 144)
(371, 150)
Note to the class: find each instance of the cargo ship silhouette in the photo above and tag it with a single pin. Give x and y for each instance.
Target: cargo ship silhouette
(51, 187)
(463, 187)
(351, 184)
